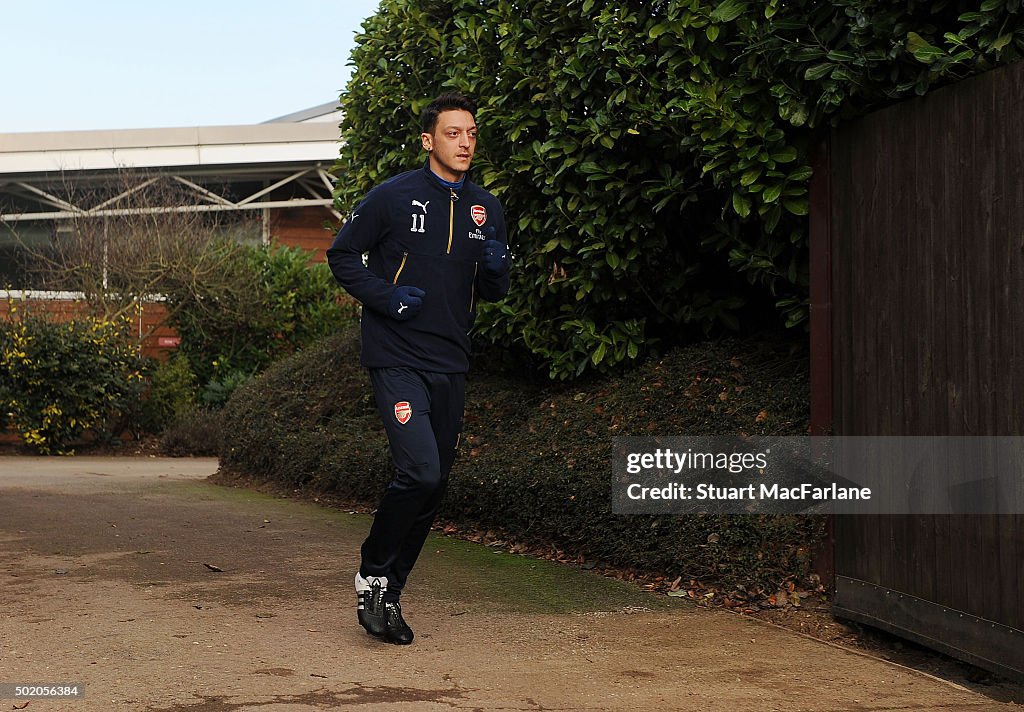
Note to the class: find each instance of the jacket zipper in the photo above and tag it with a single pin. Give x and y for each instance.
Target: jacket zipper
(405, 256)
(472, 289)
(451, 218)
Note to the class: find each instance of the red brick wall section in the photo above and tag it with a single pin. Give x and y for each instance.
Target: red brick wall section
(159, 344)
(310, 228)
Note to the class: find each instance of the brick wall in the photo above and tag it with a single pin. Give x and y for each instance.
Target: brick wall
(305, 228)
(158, 344)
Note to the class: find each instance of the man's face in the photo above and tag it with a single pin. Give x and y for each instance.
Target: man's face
(452, 144)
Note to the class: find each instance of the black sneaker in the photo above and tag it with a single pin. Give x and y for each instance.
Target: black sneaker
(396, 630)
(370, 604)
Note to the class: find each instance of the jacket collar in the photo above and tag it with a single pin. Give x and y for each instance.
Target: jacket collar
(435, 180)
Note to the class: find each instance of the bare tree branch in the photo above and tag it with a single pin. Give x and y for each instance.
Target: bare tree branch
(121, 261)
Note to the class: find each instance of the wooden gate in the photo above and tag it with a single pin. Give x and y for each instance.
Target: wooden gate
(917, 232)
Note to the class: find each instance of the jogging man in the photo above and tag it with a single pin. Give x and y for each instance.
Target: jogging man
(436, 243)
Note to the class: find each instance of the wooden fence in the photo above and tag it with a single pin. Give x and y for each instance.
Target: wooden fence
(918, 329)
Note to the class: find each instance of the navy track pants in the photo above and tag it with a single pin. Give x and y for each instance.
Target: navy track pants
(422, 414)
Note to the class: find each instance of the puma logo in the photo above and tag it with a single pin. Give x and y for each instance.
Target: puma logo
(421, 205)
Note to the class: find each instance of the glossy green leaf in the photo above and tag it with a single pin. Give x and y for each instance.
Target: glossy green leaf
(728, 10)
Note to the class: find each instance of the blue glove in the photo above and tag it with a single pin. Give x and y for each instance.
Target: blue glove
(495, 256)
(405, 302)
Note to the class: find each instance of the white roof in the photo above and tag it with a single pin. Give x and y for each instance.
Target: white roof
(277, 143)
(325, 112)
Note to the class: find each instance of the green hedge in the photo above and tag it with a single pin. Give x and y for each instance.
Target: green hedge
(534, 463)
(652, 157)
(307, 419)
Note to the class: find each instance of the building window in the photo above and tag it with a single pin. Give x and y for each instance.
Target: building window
(17, 242)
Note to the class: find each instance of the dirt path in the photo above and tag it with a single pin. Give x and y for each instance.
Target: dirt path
(107, 582)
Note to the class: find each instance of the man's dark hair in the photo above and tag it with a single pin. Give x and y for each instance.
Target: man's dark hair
(445, 102)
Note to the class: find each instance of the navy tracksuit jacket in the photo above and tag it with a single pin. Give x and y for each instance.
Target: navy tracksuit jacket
(417, 232)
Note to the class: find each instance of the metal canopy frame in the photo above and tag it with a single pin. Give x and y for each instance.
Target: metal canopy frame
(314, 180)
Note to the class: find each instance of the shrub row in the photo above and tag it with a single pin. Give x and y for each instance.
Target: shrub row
(534, 463)
(64, 382)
